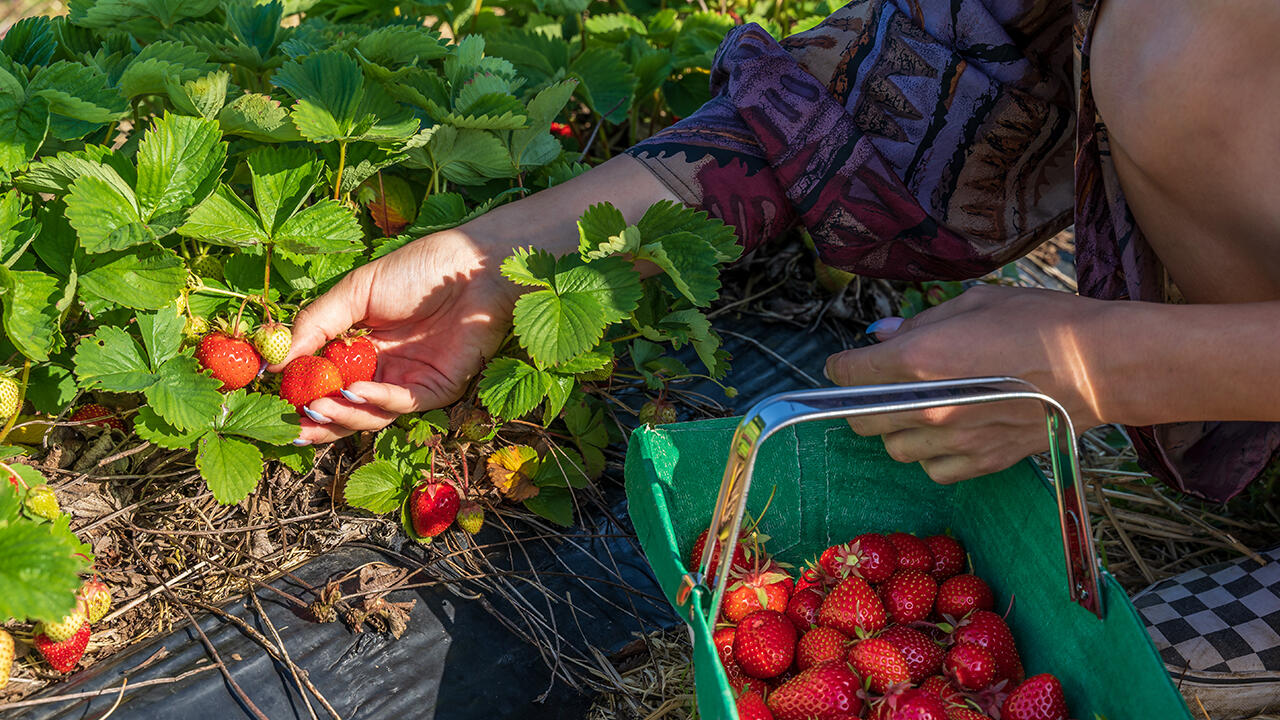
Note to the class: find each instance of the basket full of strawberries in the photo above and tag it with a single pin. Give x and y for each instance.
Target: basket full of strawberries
(855, 587)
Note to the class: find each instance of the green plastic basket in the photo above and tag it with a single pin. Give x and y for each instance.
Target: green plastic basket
(829, 484)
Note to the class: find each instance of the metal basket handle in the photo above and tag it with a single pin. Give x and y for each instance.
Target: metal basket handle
(784, 409)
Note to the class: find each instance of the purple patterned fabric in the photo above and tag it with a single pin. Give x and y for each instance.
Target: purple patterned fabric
(914, 140)
(1214, 460)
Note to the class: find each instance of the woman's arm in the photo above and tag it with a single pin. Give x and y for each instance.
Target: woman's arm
(1107, 362)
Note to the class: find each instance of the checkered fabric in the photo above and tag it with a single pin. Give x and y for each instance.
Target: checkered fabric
(1222, 618)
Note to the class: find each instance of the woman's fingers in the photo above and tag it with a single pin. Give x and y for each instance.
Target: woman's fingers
(398, 399)
(330, 418)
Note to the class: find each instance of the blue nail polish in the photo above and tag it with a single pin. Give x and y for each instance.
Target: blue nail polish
(352, 397)
(316, 416)
(301, 443)
(888, 324)
(262, 367)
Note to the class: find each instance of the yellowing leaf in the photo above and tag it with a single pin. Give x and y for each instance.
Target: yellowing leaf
(511, 470)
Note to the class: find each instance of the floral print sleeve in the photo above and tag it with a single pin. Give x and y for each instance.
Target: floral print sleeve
(914, 139)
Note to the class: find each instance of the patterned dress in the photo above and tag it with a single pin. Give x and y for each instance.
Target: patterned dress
(933, 139)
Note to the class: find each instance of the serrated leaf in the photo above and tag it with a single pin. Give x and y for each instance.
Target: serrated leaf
(511, 470)
(179, 161)
(562, 467)
(144, 278)
(258, 117)
(202, 97)
(615, 27)
(224, 219)
(51, 388)
(105, 215)
(260, 417)
(613, 282)
(183, 395)
(557, 395)
(161, 334)
(690, 263)
(39, 571)
(401, 45)
(585, 363)
(231, 467)
(326, 227)
(113, 361)
(607, 82)
(283, 179)
(554, 504)
(554, 327)
(80, 98)
(535, 268)
(528, 145)
(30, 41)
(328, 87)
(151, 427)
(160, 63)
(30, 316)
(511, 388)
(378, 487)
(56, 174)
(467, 157)
(24, 121)
(665, 217)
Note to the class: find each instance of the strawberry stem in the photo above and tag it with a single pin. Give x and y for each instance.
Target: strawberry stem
(22, 393)
(337, 178)
(235, 324)
(266, 287)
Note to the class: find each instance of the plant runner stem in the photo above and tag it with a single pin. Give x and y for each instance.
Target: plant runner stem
(342, 161)
(266, 287)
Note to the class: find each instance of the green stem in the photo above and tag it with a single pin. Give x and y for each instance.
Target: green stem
(266, 287)
(342, 161)
(220, 291)
(475, 15)
(22, 393)
(625, 338)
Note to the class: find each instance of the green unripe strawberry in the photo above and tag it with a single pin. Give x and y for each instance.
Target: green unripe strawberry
(10, 400)
(207, 266)
(64, 628)
(656, 412)
(273, 341)
(95, 597)
(195, 327)
(470, 517)
(42, 502)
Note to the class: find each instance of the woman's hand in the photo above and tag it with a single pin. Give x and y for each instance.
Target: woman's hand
(435, 310)
(1052, 339)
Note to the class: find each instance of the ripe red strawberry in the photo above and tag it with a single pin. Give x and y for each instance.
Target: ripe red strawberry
(908, 596)
(723, 640)
(6, 657)
(1039, 698)
(560, 129)
(811, 577)
(760, 588)
(913, 553)
(10, 397)
(307, 379)
(228, 358)
(880, 663)
(871, 557)
(802, 608)
(820, 645)
(764, 644)
(971, 666)
(356, 358)
(989, 631)
(825, 692)
(960, 594)
(740, 556)
(751, 706)
(433, 506)
(948, 556)
(94, 412)
(95, 596)
(852, 606)
(942, 687)
(273, 341)
(910, 704)
(923, 655)
(63, 656)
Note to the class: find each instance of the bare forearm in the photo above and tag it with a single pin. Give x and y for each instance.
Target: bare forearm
(1175, 363)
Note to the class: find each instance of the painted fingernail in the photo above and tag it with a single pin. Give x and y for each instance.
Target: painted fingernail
(824, 372)
(262, 367)
(316, 416)
(352, 397)
(301, 443)
(885, 325)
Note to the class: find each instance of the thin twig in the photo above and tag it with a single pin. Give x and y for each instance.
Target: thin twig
(106, 691)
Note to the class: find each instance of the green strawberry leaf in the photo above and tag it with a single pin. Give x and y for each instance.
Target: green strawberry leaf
(30, 41)
(30, 315)
(80, 98)
(283, 179)
(666, 217)
(161, 334)
(184, 396)
(258, 117)
(51, 388)
(224, 219)
(158, 64)
(598, 225)
(467, 157)
(401, 45)
(203, 97)
(258, 417)
(690, 262)
(554, 504)
(561, 467)
(607, 82)
(112, 361)
(231, 467)
(512, 388)
(554, 327)
(39, 569)
(534, 146)
(151, 427)
(105, 214)
(328, 87)
(325, 227)
(535, 268)
(378, 487)
(24, 122)
(144, 278)
(179, 161)
(56, 174)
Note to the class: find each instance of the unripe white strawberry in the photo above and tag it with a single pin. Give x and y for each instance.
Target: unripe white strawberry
(95, 596)
(6, 657)
(273, 341)
(470, 517)
(10, 397)
(66, 627)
